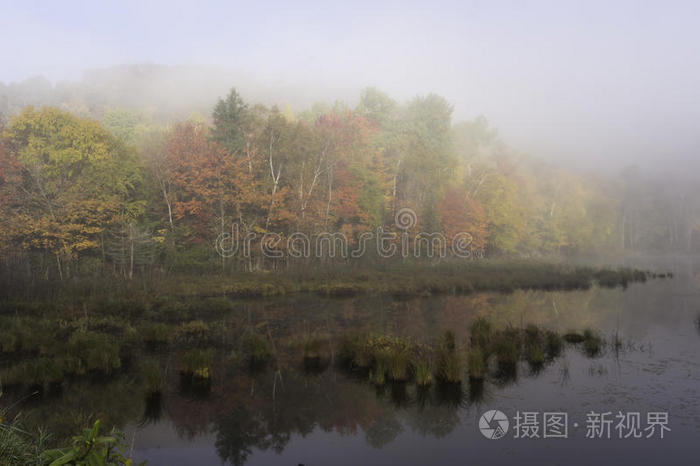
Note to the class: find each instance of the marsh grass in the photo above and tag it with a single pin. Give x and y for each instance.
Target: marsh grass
(476, 363)
(197, 363)
(411, 278)
(257, 350)
(314, 353)
(194, 334)
(349, 345)
(386, 358)
(491, 352)
(506, 351)
(448, 360)
(535, 357)
(94, 352)
(424, 373)
(592, 343)
(378, 371)
(553, 344)
(399, 361)
(38, 372)
(18, 446)
(534, 347)
(312, 348)
(480, 333)
(153, 377)
(156, 334)
(50, 333)
(423, 365)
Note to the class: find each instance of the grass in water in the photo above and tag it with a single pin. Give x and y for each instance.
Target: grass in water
(592, 343)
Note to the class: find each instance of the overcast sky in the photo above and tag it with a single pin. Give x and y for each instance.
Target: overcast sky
(602, 81)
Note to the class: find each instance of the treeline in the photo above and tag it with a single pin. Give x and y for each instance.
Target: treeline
(128, 195)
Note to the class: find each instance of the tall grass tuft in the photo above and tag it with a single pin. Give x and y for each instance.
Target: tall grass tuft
(424, 373)
(476, 363)
(534, 342)
(257, 350)
(553, 344)
(399, 360)
(480, 332)
(197, 363)
(423, 365)
(506, 350)
(312, 348)
(592, 343)
(18, 447)
(153, 377)
(448, 361)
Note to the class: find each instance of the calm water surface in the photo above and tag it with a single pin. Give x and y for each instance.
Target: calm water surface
(284, 415)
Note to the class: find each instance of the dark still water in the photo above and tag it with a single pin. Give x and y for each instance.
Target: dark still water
(284, 414)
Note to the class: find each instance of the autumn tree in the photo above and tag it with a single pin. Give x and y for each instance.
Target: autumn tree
(461, 214)
(76, 179)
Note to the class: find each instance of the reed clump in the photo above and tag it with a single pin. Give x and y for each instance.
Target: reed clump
(592, 343)
(197, 364)
(448, 360)
(257, 350)
(476, 363)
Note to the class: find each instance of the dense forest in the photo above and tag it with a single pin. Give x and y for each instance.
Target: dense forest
(92, 182)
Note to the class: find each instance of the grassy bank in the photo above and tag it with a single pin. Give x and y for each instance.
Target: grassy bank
(409, 280)
(401, 280)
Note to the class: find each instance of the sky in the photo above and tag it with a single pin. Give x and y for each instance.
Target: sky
(592, 83)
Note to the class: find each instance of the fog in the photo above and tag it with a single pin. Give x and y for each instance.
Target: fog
(590, 84)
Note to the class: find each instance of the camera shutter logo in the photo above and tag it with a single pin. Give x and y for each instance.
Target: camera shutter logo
(493, 424)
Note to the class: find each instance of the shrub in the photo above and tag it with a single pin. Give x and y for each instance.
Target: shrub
(91, 448)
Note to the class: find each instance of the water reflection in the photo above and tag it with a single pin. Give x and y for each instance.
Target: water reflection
(242, 413)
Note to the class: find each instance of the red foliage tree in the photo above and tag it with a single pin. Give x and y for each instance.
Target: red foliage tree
(459, 213)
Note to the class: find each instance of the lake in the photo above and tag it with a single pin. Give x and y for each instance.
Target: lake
(286, 413)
